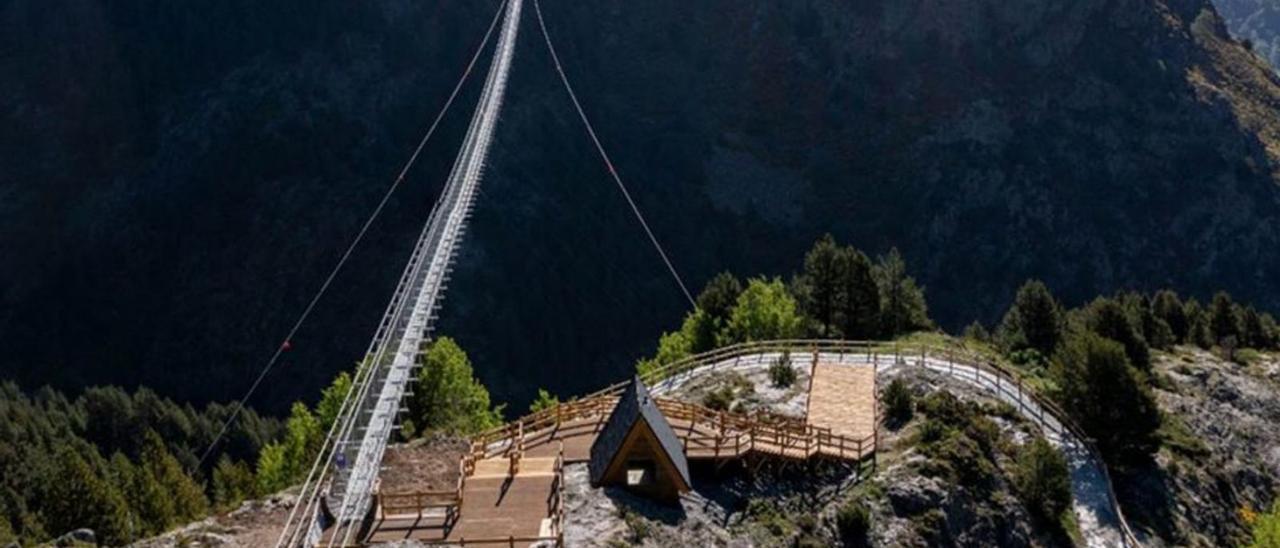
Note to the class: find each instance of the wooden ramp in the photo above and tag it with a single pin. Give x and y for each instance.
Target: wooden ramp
(496, 507)
(842, 398)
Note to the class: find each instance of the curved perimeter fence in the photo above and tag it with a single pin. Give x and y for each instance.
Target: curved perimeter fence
(1008, 384)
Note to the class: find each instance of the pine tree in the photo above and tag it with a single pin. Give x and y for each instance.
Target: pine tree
(1153, 329)
(272, 472)
(77, 497)
(819, 288)
(860, 313)
(331, 400)
(719, 296)
(1097, 385)
(1033, 321)
(702, 331)
(1168, 307)
(232, 482)
(902, 304)
(150, 506)
(188, 498)
(1223, 319)
(302, 440)
(1198, 331)
(1272, 331)
(545, 400)
(449, 398)
(1108, 319)
(1253, 334)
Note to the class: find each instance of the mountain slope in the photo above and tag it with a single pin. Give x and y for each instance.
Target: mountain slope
(1257, 21)
(177, 181)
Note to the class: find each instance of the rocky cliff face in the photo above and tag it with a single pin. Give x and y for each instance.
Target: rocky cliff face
(177, 181)
(1227, 462)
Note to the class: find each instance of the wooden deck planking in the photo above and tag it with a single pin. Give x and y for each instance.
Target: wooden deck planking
(843, 399)
(495, 505)
(492, 507)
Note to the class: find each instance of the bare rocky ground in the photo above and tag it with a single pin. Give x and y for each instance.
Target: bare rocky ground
(1225, 459)
(796, 505)
(430, 464)
(422, 465)
(254, 523)
(912, 508)
(752, 389)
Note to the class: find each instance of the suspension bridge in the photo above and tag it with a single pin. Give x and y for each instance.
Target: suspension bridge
(339, 493)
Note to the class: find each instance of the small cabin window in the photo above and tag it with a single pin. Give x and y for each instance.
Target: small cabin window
(640, 473)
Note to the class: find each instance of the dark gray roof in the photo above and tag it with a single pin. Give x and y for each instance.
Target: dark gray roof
(634, 404)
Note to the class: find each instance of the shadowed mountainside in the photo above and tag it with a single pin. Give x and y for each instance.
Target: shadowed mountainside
(176, 180)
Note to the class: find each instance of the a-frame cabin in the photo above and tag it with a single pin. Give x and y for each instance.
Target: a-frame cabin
(638, 449)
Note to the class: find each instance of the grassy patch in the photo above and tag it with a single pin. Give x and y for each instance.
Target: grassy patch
(770, 517)
(1071, 527)
(730, 393)
(1179, 439)
(1248, 356)
(931, 526)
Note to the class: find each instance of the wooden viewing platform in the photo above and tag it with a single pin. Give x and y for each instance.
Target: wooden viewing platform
(843, 399)
(510, 486)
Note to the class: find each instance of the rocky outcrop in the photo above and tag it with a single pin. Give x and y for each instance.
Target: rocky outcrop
(253, 523)
(1223, 457)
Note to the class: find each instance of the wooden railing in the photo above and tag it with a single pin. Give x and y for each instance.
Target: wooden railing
(419, 502)
(555, 512)
(1008, 381)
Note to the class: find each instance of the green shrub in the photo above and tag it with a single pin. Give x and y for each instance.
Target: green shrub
(1042, 480)
(853, 523)
(958, 439)
(720, 399)
(544, 401)
(1178, 437)
(898, 404)
(764, 311)
(1027, 358)
(637, 528)
(781, 373)
(1266, 529)
(977, 332)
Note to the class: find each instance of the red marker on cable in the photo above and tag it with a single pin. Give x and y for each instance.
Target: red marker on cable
(286, 346)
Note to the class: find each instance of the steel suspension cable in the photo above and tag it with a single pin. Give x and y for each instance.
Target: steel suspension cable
(377, 211)
(605, 156)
